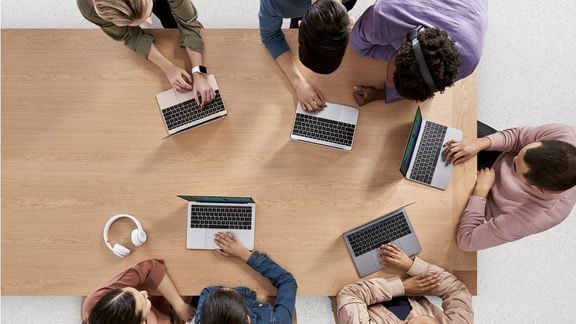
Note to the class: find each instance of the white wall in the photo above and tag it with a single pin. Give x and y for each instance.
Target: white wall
(526, 76)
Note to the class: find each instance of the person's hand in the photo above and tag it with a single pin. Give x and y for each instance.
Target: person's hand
(309, 97)
(179, 78)
(458, 152)
(203, 91)
(484, 182)
(231, 247)
(365, 94)
(421, 285)
(392, 256)
(184, 311)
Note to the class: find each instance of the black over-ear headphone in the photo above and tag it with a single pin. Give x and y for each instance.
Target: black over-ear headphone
(422, 66)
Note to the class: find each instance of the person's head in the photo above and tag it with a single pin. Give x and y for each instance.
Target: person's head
(441, 57)
(423, 319)
(121, 306)
(548, 165)
(125, 12)
(323, 36)
(224, 305)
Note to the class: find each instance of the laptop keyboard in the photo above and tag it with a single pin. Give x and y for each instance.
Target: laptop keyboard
(323, 129)
(221, 217)
(428, 152)
(378, 233)
(189, 111)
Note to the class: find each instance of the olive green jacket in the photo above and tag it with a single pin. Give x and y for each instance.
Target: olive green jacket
(137, 39)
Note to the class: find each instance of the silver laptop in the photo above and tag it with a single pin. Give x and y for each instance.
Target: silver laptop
(423, 161)
(180, 112)
(208, 215)
(363, 241)
(334, 126)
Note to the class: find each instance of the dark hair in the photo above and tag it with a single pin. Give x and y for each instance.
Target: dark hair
(116, 307)
(552, 165)
(441, 57)
(323, 36)
(224, 306)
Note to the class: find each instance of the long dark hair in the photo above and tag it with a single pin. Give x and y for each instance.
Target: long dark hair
(224, 306)
(116, 307)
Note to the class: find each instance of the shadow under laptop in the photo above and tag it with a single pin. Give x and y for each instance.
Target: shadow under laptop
(386, 172)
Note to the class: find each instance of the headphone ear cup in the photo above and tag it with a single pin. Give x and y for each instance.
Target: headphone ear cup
(120, 250)
(138, 237)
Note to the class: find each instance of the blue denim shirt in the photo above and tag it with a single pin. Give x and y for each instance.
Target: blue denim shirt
(260, 312)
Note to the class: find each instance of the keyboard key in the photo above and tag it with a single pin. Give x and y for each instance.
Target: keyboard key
(210, 217)
(189, 111)
(323, 129)
(376, 234)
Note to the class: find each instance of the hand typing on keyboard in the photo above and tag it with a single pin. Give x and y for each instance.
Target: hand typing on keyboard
(392, 256)
(203, 91)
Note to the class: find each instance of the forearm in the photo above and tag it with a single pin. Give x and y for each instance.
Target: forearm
(287, 65)
(168, 290)
(483, 144)
(195, 59)
(456, 299)
(160, 60)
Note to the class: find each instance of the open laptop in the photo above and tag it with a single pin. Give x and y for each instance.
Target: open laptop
(422, 161)
(208, 215)
(334, 126)
(363, 241)
(180, 112)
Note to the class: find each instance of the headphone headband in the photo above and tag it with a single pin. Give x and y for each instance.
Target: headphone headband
(112, 220)
(422, 65)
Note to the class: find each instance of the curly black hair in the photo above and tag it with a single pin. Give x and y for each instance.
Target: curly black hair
(323, 36)
(441, 57)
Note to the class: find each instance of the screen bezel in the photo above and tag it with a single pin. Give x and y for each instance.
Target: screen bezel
(411, 142)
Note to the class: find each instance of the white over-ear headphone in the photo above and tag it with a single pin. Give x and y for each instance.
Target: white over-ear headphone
(138, 235)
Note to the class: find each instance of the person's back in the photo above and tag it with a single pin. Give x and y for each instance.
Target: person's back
(530, 188)
(381, 32)
(381, 300)
(239, 305)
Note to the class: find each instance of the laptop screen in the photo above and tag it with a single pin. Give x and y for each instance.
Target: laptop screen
(411, 142)
(218, 199)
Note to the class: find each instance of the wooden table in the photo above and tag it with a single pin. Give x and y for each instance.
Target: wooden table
(82, 141)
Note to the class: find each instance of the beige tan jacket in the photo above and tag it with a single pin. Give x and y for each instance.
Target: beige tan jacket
(360, 302)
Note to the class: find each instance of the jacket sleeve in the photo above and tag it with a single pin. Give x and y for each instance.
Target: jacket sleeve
(284, 282)
(271, 29)
(514, 139)
(474, 234)
(144, 275)
(456, 299)
(353, 300)
(186, 18)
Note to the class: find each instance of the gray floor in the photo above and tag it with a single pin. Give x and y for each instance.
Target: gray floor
(526, 77)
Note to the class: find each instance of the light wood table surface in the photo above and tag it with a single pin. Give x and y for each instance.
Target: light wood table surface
(82, 140)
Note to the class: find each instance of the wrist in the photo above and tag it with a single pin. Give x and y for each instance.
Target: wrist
(483, 144)
(245, 256)
(480, 192)
(408, 265)
(380, 94)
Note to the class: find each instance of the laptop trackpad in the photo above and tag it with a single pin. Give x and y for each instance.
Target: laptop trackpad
(209, 239)
(375, 254)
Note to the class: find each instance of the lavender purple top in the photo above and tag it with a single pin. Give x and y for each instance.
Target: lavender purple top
(382, 28)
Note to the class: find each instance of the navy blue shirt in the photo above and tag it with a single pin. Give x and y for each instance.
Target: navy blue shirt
(270, 18)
